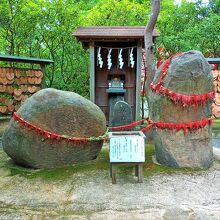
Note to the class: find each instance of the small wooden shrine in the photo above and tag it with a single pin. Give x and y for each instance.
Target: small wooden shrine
(115, 66)
(17, 83)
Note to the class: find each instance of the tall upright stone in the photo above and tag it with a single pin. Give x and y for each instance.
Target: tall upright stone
(187, 74)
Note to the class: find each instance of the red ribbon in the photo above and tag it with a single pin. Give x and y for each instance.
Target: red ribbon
(178, 98)
(183, 99)
(161, 125)
(147, 128)
(128, 126)
(195, 125)
(46, 134)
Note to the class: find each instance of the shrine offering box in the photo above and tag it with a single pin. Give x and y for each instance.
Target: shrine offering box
(127, 147)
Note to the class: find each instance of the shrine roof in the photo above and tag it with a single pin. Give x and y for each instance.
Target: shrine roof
(32, 60)
(111, 33)
(213, 60)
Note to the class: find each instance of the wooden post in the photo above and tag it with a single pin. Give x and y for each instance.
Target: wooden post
(113, 174)
(136, 170)
(92, 71)
(140, 172)
(42, 68)
(111, 170)
(138, 79)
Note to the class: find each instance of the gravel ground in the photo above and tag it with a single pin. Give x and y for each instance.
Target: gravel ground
(90, 195)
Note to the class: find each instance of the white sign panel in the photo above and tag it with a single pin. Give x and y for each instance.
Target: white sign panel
(127, 148)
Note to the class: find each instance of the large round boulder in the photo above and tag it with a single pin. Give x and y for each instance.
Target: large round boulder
(58, 112)
(188, 74)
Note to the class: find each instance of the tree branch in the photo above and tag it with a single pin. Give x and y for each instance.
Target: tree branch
(148, 41)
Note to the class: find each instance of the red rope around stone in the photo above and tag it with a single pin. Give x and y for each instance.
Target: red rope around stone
(128, 126)
(183, 99)
(192, 126)
(179, 98)
(53, 136)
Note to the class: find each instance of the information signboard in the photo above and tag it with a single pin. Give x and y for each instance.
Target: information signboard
(127, 147)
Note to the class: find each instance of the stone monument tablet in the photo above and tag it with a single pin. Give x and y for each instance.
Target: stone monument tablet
(122, 114)
(112, 101)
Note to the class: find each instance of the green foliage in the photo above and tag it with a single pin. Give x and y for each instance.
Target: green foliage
(190, 26)
(216, 125)
(117, 13)
(43, 28)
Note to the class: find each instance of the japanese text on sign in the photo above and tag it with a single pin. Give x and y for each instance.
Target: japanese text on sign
(127, 149)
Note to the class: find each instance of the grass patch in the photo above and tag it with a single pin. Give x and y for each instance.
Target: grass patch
(216, 125)
(100, 164)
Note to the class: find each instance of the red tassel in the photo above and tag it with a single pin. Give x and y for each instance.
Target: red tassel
(68, 140)
(184, 129)
(76, 141)
(47, 134)
(52, 138)
(42, 132)
(59, 138)
(30, 126)
(37, 130)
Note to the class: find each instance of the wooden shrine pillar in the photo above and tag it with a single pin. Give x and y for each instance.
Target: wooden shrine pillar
(42, 68)
(138, 79)
(92, 70)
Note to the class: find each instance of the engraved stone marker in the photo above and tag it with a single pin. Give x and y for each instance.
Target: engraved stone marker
(122, 114)
(112, 101)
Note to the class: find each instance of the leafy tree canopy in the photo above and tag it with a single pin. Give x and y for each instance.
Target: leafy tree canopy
(43, 28)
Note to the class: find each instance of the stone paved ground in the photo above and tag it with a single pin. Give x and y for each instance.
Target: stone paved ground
(90, 195)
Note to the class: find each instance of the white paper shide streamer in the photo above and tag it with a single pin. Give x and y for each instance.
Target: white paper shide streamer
(100, 61)
(132, 62)
(109, 59)
(120, 59)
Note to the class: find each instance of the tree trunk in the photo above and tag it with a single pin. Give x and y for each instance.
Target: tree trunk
(148, 40)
